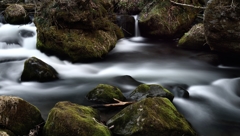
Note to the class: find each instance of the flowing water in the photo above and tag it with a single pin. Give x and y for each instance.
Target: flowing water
(213, 107)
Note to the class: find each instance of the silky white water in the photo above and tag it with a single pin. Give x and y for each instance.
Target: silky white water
(213, 107)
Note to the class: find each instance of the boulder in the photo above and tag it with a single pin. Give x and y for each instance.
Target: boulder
(37, 70)
(152, 90)
(78, 30)
(194, 38)
(105, 93)
(150, 117)
(129, 7)
(222, 26)
(69, 119)
(18, 116)
(163, 19)
(16, 14)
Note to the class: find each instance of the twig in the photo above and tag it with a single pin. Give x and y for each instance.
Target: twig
(120, 103)
(187, 5)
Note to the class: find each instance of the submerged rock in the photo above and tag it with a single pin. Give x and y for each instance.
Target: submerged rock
(69, 119)
(152, 90)
(194, 38)
(162, 19)
(79, 30)
(18, 116)
(16, 14)
(105, 93)
(37, 70)
(222, 26)
(150, 117)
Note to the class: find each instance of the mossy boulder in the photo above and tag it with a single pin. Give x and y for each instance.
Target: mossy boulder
(194, 38)
(16, 14)
(151, 90)
(222, 26)
(162, 19)
(69, 119)
(79, 30)
(18, 116)
(151, 117)
(105, 93)
(37, 70)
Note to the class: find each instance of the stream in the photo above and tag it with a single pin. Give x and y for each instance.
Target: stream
(213, 107)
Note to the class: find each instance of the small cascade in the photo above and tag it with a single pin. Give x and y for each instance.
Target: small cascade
(137, 33)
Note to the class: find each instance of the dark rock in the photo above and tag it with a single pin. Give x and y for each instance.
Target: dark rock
(37, 70)
(69, 119)
(18, 115)
(152, 90)
(127, 23)
(150, 117)
(16, 14)
(80, 30)
(166, 20)
(222, 26)
(105, 93)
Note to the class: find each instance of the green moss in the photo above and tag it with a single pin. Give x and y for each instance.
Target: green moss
(165, 19)
(105, 93)
(79, 32)
(151, 116)
(150, 90)
(71, 119)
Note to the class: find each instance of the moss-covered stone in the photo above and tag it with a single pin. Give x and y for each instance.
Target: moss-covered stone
(80, 30)
(16, 14)
(151, 117)
(105, 93)
(194, 38)
(69, 119)
(152, 90)
(18, 115)
(162, 19)
(37, 70)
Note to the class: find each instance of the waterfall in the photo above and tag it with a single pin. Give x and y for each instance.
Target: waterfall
(137, 33)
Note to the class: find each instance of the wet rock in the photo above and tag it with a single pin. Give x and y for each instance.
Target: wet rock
(222, 26)
(194, 38)
(79, 30)
(69, 119)
(152, 90)
(178, 90)
(18, 116)
(166, 20)
(209, 57)
(37, 70)
(105, 93)
(16, 14)
(150, 117)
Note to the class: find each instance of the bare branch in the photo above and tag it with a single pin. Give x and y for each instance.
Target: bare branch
(120, 103)
(187, 5)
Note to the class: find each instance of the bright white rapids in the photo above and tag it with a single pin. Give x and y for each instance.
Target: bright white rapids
(213, 107)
